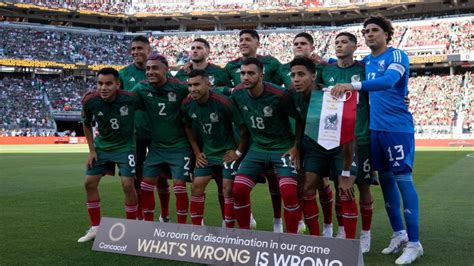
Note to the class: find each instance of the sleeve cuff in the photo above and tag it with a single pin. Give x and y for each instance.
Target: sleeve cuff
(357, 85)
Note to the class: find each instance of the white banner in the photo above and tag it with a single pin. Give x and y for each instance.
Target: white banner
(330, 122)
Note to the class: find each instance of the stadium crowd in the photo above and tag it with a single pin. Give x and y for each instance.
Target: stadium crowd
(64, 47)
(69, 47)
(23, 105)
(119, 7)
(454, 37)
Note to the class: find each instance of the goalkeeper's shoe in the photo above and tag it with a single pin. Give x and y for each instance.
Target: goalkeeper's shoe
(412, 252)
(398, 241)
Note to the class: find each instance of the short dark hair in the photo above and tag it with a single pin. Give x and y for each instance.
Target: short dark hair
(252, 33)
(198, 73)
(383, 23)
(304, 61)
(253, 61)
(109, 71)
(159, 57)
(204, 41)
(305, 35)
(141, 38)
(349, 35)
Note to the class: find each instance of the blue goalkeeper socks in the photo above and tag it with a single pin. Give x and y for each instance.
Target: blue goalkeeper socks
(410, 205)
(391, 197)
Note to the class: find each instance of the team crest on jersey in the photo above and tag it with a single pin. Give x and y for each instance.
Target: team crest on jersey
(172, 97)
(100, 113)
(132, 79)
(381, 65)
(211, 80)
(149, 94)
(124, 110)
(214, 118)
(355, 78)
(267, 111)
(330, 122)
(194, 116)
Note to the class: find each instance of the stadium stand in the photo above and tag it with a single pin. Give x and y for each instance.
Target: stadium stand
(440, 103)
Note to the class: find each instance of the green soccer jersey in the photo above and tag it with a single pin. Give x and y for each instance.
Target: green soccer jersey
(271, 69)
(331, 75)
(217, 76)
(267, 117)
(214, 121)
(115, 120)
(285, 74)
(130, 76)
(164, 108)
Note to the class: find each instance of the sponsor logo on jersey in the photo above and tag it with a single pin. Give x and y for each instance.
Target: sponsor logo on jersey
(211, 80)
(100, 114)
(132, 79)
(267, 111)
(149, 94)
(124, 110)
(214, 118)
(289, 74)
(331, 79)
(237, 71)
(355, 78)
(396, 164)
(381, 65)
(245, 108)
(194, 115)
(172, 97)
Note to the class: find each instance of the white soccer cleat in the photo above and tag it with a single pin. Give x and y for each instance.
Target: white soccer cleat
(223, 224)
(341, 234)
(253, 223)
(164, 219)
(327, 230)
(412, 252)
(365, 241)
(90, 235)
(397, 242)
(301, 227)
(277, 225)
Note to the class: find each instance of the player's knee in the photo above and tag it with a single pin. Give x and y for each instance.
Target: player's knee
(91, 183)
(128, 187)
(198, 190)
(308, 189)
(240, 192)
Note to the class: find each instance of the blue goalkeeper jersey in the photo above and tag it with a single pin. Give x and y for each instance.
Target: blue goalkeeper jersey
(387, 83)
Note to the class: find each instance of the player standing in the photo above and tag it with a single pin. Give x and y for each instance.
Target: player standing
(114, 111)
(392, 134)
(265, 109)
(347, 70)
(200, 50)
(169, 150)
(249, 42)
(303, 46)
(213, 115)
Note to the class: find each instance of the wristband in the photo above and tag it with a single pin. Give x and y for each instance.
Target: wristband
(238, 153)
(346, 173)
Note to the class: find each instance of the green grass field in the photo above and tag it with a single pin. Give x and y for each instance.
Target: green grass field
(43, 211)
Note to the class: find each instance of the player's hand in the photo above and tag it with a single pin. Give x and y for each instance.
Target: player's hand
(346, 186)
(230, 156)
(201, 160)
(317, 59)
(340, 89)
(91, 158)
(294, 154)
(187, 67)
(406, 100)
